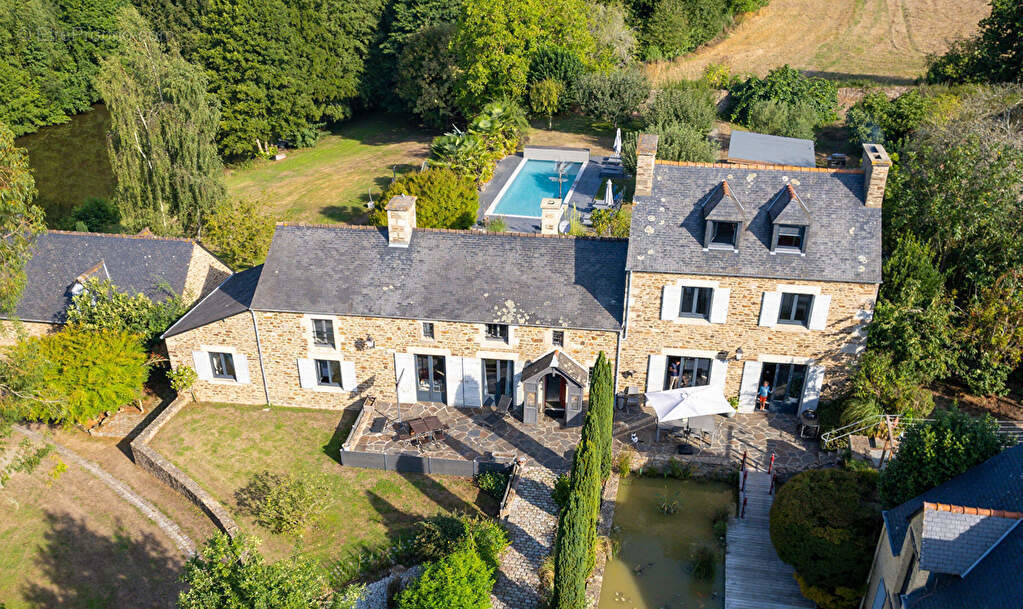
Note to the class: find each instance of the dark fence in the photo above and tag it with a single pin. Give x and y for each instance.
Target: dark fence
(422, 464)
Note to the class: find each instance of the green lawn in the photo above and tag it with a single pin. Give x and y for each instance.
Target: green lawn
(222, 446)
(331, 181)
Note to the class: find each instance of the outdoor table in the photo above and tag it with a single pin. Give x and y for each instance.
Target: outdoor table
(433, 424)
(418, 427)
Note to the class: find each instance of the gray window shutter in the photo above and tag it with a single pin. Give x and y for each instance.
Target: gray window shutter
(748, 386)
(404, 376)
(718, 374)
(819, 313)
(719, 305)
(306, 373)
(655, 372)
(812, 389)
(201, 359)
(472, 382)
(769, 307)
(453, 380)
(241, 369)
(348, 382)
(671, 298)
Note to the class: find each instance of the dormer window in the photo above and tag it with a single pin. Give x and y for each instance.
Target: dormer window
(723, 234)
(790, 238)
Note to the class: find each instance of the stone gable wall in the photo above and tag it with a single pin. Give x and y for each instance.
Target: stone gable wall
(235, 332)
(205, 273)
(647, 334)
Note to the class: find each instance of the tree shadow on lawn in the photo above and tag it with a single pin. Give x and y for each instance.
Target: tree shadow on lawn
(344, 427)
(83, 568)
(381, 129)
(359, 211)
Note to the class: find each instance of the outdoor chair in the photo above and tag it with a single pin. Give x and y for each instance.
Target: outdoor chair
(632, 397)
(503, 405)
(404, 437)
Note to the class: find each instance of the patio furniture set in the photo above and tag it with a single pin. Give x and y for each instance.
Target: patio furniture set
(421, 432)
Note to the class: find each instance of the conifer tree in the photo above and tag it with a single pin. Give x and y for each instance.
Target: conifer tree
(577, 532)
(600, 416)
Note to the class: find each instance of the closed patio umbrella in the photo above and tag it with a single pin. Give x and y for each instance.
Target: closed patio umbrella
(618, 142)
(609, 194)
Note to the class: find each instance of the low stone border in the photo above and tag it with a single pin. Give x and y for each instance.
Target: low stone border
(153, 462)
(605, 520)
(375, 594)
(509, 491)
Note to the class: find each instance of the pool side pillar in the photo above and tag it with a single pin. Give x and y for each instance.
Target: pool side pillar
(550, 216)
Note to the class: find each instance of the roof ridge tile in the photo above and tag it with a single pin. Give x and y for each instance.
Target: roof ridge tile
(960, 509)
(452, 230)
(149, 237)
(761, 166)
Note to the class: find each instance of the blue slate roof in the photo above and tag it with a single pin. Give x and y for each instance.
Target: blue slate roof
(953, 543)
(994, 583)
(763, 148)
(843, 237)
(232, 297)
(445, 275)
(135, 264)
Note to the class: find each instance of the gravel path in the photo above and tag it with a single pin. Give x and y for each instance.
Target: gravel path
(172, 530)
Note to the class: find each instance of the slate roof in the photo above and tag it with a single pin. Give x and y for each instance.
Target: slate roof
(843, 241)
(445, 276)
(788, 208)
(556, 359)
(994, 583)
(232, 297)
(133, 263)
(722, 205)
(763, 148)
(952, 543)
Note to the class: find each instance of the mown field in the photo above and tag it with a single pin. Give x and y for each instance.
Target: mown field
(886, 41)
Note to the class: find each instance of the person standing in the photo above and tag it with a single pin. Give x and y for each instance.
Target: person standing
(673, 369)
(762, 394)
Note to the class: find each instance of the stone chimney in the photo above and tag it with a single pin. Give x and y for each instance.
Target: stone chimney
(646, 153)
(550, 216)
(401, 220)
(875, 169)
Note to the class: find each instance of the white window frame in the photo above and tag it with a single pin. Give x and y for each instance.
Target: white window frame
(330, 371)
(204, 365)
(331, 338)
(796, 296)
(433, 330)
(770, 308)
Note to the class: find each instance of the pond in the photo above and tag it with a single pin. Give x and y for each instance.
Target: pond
(70, 162)
(653, 568)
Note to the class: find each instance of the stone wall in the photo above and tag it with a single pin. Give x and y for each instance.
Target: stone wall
(9, 330)
(233, 333)
(153, 462)
(648, 334)
(205, 273)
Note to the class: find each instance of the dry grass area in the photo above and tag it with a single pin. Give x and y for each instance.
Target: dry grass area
(74, 543)
(222, 446)
(882, 40)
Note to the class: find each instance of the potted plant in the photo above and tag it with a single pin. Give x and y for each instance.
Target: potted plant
(734, 401)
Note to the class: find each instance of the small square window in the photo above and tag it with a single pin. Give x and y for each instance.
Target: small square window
(795, 309)
(695, 302)
(558, 338)
(497, 332)
(328, 373)
(790, 237)
(323, 333)
(428, 330)
(724, 233)
(222, 366)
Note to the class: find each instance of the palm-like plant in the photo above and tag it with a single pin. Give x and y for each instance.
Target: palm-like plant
(501, 124)
(464, 153)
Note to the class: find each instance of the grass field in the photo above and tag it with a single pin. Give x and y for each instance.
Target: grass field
(881, 40)
(73, 543)
(222, 446)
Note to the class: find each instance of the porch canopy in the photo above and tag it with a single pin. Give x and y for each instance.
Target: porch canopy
(697, 405)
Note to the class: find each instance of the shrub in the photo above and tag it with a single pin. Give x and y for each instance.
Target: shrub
(551, 62)
(825, 523)
(444, 198)
(600, 414)
(624, 463)
(678, 470)
(492, 483)
(935, 451)
(615, 40)
(879, 120)
(73, 376)
(689, 105)
(676, 142)
(668, 32)
(561, 491)
(612, 97)
(718, 76)
(775, 117)
(436, 537)
(497, 225)
(94, 215)
(544, 97)
(461, 580)
(239, 231)
(704, 563)
(182, 378)
(746, 6)
(786, 85)
(615, 223)
(574, 546)
(101, 306)
(463, 153)
(668, 503)
(282, 503)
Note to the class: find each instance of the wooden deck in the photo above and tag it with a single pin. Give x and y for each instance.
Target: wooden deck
(755, 578)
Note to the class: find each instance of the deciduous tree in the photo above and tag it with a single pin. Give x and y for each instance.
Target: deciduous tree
(444, 198)
(612, 97)
(239, 230)
(544, 96)
(20, 220)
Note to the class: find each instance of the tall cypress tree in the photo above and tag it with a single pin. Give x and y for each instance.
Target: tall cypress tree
(600, 416)
(574, 551)
(163, 125)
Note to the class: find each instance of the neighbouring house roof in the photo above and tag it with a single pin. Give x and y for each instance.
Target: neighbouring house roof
(446, 276)
(749, 147)
(843, 242)
(135, 264)
(993, 491)
(556, 359)
(232, 297)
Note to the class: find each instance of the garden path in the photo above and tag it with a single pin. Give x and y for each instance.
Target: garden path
(172, 530)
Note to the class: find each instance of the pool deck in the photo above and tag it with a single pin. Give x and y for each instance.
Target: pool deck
(582, 197)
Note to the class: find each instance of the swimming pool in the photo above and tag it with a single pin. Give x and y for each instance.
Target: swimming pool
(534, 180)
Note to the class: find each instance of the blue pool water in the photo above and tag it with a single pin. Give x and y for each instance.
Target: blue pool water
(536, 180)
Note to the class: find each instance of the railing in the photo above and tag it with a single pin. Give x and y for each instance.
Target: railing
(1007, 428)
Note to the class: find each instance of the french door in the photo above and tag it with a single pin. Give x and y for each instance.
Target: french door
(431, 378)
(787, 381)
(497, 378)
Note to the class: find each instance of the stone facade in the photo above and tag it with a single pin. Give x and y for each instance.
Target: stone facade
(287, 337)
(891, 570)
(875, 168)
(205, 273)
(833, 347)
(9, 330)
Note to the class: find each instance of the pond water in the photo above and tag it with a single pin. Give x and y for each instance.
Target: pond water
(70, 162)
(653, 567)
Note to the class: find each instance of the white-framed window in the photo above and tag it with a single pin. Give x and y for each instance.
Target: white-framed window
(323, 333)
(497, 332)
(428, 330)
(795, 309)
(328, 373)
(558, 338)
(695, 302)
(687, 372)
(222, 366)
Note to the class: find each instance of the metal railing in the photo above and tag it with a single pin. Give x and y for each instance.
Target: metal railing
(1012, 429)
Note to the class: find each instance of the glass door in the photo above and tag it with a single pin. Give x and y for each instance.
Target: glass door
(786, 382)
(497, 379)
(431, 378)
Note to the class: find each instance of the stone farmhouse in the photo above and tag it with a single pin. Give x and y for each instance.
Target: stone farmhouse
(63, 261)
(731, 275)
